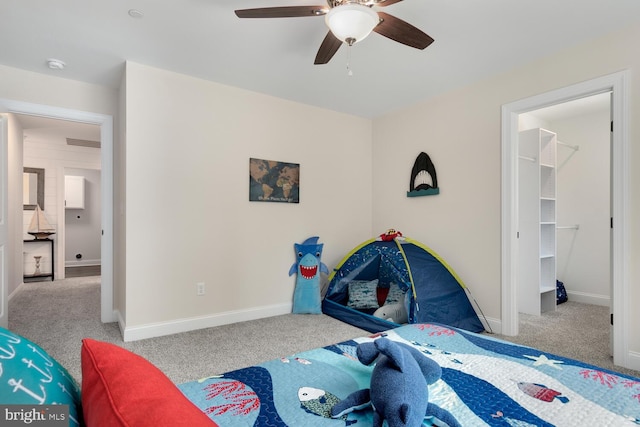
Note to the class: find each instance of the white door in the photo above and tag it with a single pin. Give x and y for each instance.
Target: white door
(4, 226)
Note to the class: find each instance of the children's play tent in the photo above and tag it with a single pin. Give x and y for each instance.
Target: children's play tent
(429, 289)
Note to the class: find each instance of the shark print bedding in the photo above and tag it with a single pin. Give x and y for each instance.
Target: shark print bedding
(485, 382)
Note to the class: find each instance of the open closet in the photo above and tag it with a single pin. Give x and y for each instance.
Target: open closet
(564, 206)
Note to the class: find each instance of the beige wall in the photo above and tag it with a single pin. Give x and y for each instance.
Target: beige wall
(188, 144)
(181, 152)
(26, 86)
(461, 132)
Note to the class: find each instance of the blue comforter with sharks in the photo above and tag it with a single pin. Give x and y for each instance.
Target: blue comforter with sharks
(485, 382)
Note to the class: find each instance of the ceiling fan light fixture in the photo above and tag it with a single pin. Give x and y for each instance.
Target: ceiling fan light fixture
(351, 23)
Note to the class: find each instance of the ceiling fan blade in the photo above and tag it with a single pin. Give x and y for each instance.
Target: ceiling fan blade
(386, 3)
(282, 12)
(328, 48)
(398, 30)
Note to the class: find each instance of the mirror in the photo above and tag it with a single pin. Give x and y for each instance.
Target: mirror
(33, 188)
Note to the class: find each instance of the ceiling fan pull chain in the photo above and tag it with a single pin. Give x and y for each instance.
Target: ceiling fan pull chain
(349, 71)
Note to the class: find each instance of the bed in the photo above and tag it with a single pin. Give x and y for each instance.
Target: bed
(485, 382)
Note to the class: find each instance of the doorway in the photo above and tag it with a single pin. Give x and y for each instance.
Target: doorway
(82, 222)
(67, 152)
(105, 124)
(577, 240)
(617, 85)
(582, 200)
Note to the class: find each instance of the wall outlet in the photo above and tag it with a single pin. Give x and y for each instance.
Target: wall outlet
(200, 290)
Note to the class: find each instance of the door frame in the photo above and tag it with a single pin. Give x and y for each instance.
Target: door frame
(617, 84)
(107, 313)
(4, 222)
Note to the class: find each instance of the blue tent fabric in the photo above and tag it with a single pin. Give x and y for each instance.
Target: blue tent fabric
(435, 293)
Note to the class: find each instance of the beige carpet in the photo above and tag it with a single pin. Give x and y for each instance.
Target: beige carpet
(578, 331)
(57, 315)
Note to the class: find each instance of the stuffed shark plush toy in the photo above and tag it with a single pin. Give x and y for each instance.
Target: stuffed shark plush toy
(306, 296)
(399, 392)
(396, 312)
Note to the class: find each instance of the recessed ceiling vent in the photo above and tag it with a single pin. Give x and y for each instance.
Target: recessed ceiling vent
(83, 143)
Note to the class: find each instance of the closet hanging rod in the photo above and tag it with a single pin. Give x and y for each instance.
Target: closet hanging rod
(574, 227)
(573, 147)
(531, 159)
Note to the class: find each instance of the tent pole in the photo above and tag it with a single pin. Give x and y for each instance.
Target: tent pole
(406, 262)
(466, 288)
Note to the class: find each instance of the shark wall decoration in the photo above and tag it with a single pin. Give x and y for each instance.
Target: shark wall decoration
(424, 181)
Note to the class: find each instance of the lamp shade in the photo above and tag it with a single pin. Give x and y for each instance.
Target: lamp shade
(351, 22)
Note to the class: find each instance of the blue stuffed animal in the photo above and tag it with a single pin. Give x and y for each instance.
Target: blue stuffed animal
(399, 390)
(306, 296)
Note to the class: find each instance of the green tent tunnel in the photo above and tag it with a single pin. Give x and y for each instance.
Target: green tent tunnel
(432, 291)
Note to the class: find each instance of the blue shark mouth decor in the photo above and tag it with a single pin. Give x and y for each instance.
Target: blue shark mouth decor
(306, 297)
(424, 181)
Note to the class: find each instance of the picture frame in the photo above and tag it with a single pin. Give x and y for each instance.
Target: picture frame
(274, 181)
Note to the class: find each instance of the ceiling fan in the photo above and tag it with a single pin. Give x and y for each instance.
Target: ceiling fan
(349, 21)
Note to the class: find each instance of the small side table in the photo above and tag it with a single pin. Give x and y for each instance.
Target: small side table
(53, 263)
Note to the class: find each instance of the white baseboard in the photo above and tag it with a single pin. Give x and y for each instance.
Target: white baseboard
(83, 263)
(152, 330)
(586, 298)
(121, 323)
(15, 292)
(633, 361)
(494, 325)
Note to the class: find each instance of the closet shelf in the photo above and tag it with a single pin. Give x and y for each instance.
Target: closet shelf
(548, 289)
(537, 191)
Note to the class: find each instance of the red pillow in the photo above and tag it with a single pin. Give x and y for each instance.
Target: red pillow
(122, 389)
(381, 295)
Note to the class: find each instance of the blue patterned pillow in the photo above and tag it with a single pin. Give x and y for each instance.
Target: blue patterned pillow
(363, 294)
(29, 376)
(395, 295)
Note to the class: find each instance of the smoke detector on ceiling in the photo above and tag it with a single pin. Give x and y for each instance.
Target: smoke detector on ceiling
(135, 13)
(55, 64)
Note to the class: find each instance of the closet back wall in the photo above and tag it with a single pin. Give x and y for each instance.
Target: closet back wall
(83, 226)
(583, 199)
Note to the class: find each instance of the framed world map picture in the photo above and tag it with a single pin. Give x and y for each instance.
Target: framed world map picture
(274, 181)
